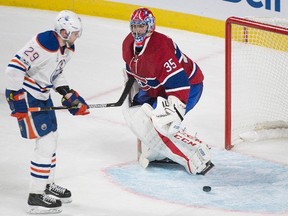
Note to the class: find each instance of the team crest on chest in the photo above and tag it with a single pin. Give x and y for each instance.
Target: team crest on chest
(58, 70)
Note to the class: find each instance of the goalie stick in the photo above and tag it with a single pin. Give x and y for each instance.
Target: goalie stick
(121, 100)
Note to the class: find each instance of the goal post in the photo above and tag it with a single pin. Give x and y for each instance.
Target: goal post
(256, 79)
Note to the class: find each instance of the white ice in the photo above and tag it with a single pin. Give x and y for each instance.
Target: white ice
(89, 145)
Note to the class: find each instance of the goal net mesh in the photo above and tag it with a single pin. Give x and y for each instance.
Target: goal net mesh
(258, 78)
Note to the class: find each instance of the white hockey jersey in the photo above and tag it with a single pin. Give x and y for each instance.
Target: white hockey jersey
(38, 66)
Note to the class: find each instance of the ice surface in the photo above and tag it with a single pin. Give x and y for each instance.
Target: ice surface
(96, 158)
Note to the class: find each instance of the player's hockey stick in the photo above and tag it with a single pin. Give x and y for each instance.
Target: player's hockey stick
(121, 100)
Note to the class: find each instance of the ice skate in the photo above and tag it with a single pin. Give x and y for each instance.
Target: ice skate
(43, 204)
(59, 192)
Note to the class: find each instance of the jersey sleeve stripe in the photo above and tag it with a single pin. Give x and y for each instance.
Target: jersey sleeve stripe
(178, 89)
(171, 75)
(35, 86)
(18, 64)
(178, 53)
(195, 68)
(16, 61)
(17, 67)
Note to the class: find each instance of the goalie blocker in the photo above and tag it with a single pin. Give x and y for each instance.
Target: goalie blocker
(152, 129)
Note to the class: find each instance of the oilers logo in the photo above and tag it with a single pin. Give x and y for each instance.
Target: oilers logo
(58, 70)
(43, 127)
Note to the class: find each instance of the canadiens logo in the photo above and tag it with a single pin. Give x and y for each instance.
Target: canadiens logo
(142, 82)
(143, 85)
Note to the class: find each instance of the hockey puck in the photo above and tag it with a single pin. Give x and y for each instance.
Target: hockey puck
(207, 188)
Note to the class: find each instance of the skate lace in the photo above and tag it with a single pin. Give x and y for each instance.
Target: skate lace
(47, 198)
(57, 188)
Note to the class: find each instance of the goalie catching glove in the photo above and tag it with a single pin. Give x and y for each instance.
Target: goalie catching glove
(17, 103)
(76, 102)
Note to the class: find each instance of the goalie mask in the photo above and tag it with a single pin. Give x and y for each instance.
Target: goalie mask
(68, 21)
(142, 25)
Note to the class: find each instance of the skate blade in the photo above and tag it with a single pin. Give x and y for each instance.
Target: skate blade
(43, 210)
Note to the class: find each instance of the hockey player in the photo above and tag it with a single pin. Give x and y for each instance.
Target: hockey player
(169, 84)
(32, 73)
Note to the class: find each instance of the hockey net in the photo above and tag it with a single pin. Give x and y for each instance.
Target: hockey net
(256, 61)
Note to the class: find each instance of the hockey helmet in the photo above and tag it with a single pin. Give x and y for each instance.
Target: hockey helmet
(68, 21)
(142, 17)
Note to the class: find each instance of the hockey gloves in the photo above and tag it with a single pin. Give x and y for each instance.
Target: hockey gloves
(17, 103)
(77, 104)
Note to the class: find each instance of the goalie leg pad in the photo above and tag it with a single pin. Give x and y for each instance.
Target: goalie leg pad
(198, 161)
(181, 148)
(141, 125)
(198, 152)
(188, 151)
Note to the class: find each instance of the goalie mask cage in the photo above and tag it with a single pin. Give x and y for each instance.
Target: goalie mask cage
(256, 77)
